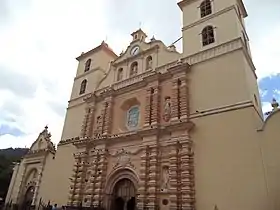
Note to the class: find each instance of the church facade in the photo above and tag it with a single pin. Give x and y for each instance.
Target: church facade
(155, 128)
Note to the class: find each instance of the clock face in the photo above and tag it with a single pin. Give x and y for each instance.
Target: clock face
(135, 50)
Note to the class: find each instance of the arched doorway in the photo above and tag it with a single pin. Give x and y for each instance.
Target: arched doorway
(28, 197)
(124, 195)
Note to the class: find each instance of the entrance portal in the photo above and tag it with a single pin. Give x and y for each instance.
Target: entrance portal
(124, 194)
(28, 198)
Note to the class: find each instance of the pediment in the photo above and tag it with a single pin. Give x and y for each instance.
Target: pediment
(42, 143)
(144, 48)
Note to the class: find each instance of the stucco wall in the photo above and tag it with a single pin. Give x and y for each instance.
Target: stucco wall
(228, 162)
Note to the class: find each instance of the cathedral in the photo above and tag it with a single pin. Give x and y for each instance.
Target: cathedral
(154, 128)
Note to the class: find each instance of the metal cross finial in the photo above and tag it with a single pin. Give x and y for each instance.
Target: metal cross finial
(140, 24)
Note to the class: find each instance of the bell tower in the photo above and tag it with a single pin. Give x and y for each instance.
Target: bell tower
(215, 38)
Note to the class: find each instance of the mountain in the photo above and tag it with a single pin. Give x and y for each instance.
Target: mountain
(12, 153)
(7, 158)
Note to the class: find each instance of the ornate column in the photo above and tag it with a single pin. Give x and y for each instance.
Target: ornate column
(148, 108)
(175, 100)
(108, 115)
(152, 106)
(143, 191)
(38, 182)
(97, 176)
(182, 188)
(76, 181)
(173, 175)
(153, 184)
(155, 106)
(88, 121)
(101, 177)
(184, 98)
(187, 177)
(104, 122)
(87, 126)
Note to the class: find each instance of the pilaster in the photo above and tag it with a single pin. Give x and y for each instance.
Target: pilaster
(155, 106)
(152, 106)
(184, 98)
(182, 182)
(76, 181)
(175, 100)
(21, 185)
(38, 182)
(87, 126)
(148, 108)
(108, 109)
(143, 191)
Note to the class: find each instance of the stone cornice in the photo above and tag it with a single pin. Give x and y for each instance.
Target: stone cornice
(87, 72)
(208, 17)
(227, 47)
(141, 80)
(221, 109)
(131, 135)
(40, 152)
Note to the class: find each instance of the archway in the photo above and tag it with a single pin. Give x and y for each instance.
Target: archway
(124, 195)
(121, 189)
(28, 197)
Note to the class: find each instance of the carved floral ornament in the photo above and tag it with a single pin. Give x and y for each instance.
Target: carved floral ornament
(124, 158)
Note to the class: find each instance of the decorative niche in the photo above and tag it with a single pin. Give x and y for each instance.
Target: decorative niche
(131, 114)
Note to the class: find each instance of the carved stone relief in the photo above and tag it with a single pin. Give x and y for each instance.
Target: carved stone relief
(123, 159)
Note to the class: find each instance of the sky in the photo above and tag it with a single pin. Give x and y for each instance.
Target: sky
(39, 41)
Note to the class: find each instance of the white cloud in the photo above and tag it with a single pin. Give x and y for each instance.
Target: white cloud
(42, 44)
(266, 52)
(277, 93)
(266, 107)
(42, 39)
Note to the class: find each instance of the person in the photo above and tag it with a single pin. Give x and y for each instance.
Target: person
(54, 207)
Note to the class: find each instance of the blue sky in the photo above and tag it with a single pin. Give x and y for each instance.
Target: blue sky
(39, 41)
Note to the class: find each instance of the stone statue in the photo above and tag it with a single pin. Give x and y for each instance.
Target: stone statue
(134, 70)
(150, 63)
(165, 178)
(167, 109)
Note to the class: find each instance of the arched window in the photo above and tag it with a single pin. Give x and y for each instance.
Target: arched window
(149, 62)
(133, 69)
(83, 86)
(208, 36)
(120, 74)
(132, 117)
(87, 65)
(205, 8)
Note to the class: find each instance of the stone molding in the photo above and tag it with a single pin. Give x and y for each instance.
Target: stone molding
(208, 17)
(201, 56)
(86, 73)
